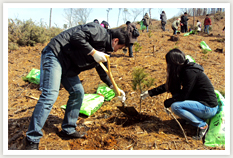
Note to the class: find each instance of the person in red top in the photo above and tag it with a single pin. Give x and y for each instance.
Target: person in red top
(207, 23)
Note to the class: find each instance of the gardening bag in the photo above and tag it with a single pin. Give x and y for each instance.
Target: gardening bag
(205, 46)
(187, 34)
(216, 133)
(190, 58)
(143, 27)
(107, 92)
(33, 76)
(91, 103)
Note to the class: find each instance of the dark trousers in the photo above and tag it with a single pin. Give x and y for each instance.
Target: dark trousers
(163, 25)
(184, 28)
(130, 49)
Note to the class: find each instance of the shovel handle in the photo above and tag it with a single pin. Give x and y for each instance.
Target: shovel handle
(108, 71)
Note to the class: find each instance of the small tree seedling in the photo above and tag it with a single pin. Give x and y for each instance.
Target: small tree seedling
(140, 81)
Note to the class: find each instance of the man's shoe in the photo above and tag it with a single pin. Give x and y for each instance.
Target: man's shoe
(31, 146)
(201, 133)
(73, 135)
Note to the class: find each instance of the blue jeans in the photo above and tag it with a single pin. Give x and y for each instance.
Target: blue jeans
(52, 78)
(193, 112)
(206, 28)
(147, 28)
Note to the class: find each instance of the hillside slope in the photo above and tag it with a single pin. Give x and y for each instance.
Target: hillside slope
(108, 128)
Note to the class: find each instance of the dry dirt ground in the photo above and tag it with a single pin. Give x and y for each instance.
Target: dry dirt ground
(109, 128)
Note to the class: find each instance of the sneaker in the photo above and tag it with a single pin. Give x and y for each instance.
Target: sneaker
(201, 132)
(31, 146)
(73, 135)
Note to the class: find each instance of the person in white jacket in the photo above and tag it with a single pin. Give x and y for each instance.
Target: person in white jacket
(198, 26)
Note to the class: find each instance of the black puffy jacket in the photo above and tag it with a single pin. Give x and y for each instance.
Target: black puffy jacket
(196, 86)
(73, 45)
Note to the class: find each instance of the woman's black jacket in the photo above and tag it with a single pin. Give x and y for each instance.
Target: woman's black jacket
(73, 45)
(195, 86)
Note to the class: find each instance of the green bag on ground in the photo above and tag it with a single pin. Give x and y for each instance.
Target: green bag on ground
(33, 76)
(187, 34)
(91, 103)
(205, 46)
(107, 92)
(190, 58)
(216, 133)
(143, 27)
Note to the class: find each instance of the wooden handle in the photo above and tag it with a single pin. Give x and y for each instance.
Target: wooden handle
(108, 71)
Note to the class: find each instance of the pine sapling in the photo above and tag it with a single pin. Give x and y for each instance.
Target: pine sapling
(137, 48)
(141, 80)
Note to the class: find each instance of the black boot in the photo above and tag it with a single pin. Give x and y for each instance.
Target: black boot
(30, 145)
(201, 132)
(73, 135)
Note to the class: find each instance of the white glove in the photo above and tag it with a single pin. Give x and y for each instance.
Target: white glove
(99, 56)
(144, 95)
(122, 98)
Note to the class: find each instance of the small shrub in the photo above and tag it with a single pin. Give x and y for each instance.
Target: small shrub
(204, 51)
(13, 46)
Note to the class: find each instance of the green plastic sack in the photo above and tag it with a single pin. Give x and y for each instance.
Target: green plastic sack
(91, 103)
(143, 27)
(216, 133)
(205, 46)
(33, 76)
(107, 92)
(187, 34)
(190, 58)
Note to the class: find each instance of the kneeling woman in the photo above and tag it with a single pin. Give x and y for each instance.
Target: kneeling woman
(193, 96)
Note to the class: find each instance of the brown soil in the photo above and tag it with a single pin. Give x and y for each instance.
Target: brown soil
(109, 128)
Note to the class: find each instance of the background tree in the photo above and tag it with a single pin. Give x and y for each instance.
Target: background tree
(126, 15)
(135, 13)
(69, 17)
(118, 15)
(108, 10)
(81, 15)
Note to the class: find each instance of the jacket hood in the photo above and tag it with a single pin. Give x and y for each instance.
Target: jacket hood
(192, 65)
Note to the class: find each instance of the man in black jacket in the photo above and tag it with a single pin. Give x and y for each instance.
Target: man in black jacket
(75, 50)
(184, 23)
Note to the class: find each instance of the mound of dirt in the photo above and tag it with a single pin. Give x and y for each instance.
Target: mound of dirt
(109, 128)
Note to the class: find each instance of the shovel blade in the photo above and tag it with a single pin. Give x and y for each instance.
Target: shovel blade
(128, 110)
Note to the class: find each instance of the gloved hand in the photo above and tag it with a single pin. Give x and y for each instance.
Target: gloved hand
(144, 95)
(99, 56)
(168, 102)
(122, 98)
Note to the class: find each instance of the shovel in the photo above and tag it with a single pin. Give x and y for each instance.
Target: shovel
(127, 110)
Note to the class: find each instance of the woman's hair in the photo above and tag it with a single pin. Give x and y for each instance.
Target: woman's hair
(120, 33)
(175, 59)
(197, 20)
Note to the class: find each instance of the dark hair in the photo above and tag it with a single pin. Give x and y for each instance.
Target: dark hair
(128, 22)
(207, 14)
(121, 34)
(163, 11)
(185, 12)
(175, 59)
(96, 21)
(105, 23)
(197, 20)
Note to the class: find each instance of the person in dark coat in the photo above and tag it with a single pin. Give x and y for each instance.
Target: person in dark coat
(193, 96)
(132, 39)
(68, 54)
(146, 21)
(184, 23)
(96, 21)
(163, 18)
